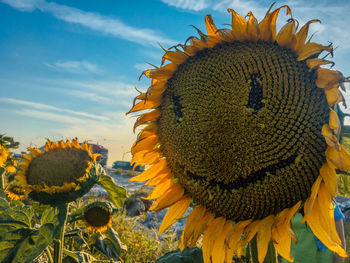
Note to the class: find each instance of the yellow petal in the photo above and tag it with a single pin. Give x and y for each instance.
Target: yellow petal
(340, 159)
(171, 196)
(218, 255)
(35, 151)
(252, 28)
(331, 139)
(334, 122)
(316, 62)
(236, 234)
(239, 26)
(146, 144)
(311, 200)
(144, 105)
(152, 171)
(264, 236)
(200, 228)
(177, 57)
(302, 35)
(330, 178)
(161, 189)
(151, 157)
(212, 30)
(163, 73)
(214, 228)
(333, 96)
(175, 212)
(281, 233)
(159, 179)
(147, 117)
(315, 223)
(149, 130)
(311, 49)
(326, 213)
(286, 36)
(268, 25)
(10, 169)
(194, 217)
(327, 78)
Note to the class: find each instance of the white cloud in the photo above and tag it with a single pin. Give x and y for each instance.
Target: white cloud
(142, 66)
(44, 108)
(72, 66)
(195, 5)
(94, 21)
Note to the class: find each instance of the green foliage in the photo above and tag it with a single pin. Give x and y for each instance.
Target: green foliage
(144, 246)
(194, 255)
(116, 193)
(343, 178)
(8, 142)
(109, 244)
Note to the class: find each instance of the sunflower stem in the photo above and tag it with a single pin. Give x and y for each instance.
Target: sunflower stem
(2, 179)
(59, 242)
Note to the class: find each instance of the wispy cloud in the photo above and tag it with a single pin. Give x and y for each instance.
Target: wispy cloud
(44, 109)
(71, 66)
(141, 66)
(94, 21)
(195, 5)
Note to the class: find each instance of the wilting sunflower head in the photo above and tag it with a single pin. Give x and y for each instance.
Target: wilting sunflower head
(98, 216)
(60, 174)
(241, 122)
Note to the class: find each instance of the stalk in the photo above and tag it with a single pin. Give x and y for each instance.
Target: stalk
(59, 242)
(2, 179)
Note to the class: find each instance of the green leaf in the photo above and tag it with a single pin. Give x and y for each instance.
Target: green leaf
(34, 245)
(115, 192)
(49, 215)
(76, 215)
(9, 225)
(193, 255)
(21, 213)
(110, 245)
(3, 204)
(344, 184)
(11, 240)
(78, 256)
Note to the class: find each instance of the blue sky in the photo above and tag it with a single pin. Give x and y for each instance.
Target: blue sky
(69, 68)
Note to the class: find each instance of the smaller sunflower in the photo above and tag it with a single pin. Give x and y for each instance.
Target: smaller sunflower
(60, 174)
(98, 216)
(4, 153)
(15, 192)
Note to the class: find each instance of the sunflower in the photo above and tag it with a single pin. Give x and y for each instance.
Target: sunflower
(4, 153)
(15, 192)
(241, 122)
(60, 174)
(98, 216)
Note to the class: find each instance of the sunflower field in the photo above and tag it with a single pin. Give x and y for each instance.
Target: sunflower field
(240, 132)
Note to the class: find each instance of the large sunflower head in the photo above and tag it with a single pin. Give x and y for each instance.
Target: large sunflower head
(98, 216)
(241, 122)
(60, 174)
